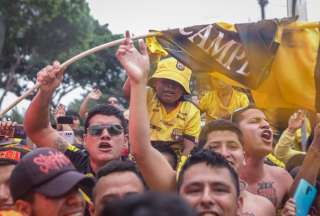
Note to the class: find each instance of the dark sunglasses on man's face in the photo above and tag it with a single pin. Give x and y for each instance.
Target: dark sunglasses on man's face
(113, 129)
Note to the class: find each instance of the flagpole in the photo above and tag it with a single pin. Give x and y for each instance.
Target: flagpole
(263, 4)
(72, 60)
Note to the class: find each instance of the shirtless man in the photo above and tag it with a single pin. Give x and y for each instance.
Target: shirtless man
(225, 138)
(154, 167)
(268, 181)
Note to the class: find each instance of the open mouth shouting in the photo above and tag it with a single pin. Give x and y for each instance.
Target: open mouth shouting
(105, 147)
(266, 135)
(169, 93)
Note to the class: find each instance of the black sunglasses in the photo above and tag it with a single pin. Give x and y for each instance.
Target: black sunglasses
(113, 129)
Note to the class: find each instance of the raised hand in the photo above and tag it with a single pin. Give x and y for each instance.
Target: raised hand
(295, 121)
(50, 77)
(95, 94)
(136, 63)
(59, 111)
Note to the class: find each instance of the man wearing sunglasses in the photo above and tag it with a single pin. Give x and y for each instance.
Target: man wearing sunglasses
(105, 137)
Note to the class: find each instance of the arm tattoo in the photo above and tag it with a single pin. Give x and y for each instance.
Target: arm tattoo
(267, 190)
(61, 144)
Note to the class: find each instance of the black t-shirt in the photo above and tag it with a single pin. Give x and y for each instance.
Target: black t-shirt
(80, 159)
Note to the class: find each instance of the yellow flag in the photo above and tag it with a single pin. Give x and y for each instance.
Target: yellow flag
(279, 60)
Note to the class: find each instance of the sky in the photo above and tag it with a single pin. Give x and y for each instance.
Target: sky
(139, 16)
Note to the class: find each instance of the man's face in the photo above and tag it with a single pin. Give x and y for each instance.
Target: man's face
(210, 191)
(6, 202)
(257, 134)
(168, 91)
(115, 186)
(76, 123)
(219, 84)
(105, 147)
(227, 144)
(70, 204)
(113, 101)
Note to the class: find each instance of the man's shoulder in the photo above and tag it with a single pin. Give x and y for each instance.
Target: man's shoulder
(277, 172)
(78, 156)
(189, 106)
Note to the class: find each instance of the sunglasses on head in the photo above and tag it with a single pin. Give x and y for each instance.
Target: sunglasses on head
(113, 129)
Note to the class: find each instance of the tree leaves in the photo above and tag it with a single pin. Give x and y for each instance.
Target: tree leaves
(38, 32)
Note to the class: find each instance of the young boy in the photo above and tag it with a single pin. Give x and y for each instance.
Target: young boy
(173, 119)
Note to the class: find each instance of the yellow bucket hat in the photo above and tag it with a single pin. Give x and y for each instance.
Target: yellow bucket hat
(174, 70)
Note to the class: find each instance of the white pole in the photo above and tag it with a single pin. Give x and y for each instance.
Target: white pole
(71, 61)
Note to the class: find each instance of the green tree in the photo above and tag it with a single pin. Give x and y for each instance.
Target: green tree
(36, 32)
(16, 116)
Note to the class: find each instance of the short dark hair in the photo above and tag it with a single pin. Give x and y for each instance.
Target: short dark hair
(28, 197)
(107, 110)
(164, 148)
(155, 204)
(119, 166)
(236, 116)
(212, 159)
(218, 125)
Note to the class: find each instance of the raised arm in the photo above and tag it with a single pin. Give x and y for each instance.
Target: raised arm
(126, 88)
(154, 167)
(284, 148)
(36, 120)
(95, 94)
(311, 163)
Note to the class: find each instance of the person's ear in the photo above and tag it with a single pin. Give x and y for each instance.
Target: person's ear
(239, 205)
(126, 137)
(244, 159)
(85, 141)
(23, 207)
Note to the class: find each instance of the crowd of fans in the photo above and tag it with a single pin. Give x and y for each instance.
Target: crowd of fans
(168, 154)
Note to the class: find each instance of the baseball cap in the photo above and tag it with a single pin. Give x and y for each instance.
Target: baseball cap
(46, 171)
(174, 70)
(12, 154)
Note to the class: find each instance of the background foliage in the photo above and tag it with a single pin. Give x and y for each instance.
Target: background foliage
(33, 33)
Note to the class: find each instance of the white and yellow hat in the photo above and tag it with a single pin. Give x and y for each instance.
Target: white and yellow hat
(174, 70)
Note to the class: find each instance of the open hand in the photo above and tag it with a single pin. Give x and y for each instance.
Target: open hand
(95, 94)
(59, 111)
(295, 121)
(136, 63)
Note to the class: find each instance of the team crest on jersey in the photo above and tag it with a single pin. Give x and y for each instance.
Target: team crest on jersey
(180, 66)
(177, 134)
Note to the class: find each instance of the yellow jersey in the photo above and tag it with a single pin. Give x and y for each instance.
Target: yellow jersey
(172, 127)
(211, 105)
